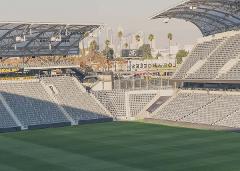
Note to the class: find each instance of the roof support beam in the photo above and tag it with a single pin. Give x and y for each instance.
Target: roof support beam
(221, 13)
(36, 42)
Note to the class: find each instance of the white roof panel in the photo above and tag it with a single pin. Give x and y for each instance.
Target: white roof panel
(210, 16)
(41, 39)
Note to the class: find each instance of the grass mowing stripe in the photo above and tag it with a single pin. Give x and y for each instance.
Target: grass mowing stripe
(128, 146)
(3, 166)
(20, 161)
(49, 157)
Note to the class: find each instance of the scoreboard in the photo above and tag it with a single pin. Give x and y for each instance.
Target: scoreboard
(132, 53)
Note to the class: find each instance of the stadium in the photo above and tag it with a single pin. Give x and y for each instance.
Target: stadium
(50, 119)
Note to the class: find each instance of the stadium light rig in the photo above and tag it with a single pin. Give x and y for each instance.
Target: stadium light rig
(20, 39)
(91, 35)
(66, 32)
(33, 39)
(166, 20)
(192, 7)
(56, 38)
(50, 46)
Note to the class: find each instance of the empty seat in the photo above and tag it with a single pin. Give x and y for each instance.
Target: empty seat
(77, 103)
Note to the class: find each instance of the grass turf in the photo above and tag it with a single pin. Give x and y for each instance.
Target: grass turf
(120, 146)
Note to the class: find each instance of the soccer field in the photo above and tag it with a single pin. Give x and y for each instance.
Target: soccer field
(120, 146)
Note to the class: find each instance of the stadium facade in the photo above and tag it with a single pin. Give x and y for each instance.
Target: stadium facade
(209, 79)
(30, 102)
(210, 76)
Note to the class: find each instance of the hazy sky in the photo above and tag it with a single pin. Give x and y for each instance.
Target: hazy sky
(132, 15)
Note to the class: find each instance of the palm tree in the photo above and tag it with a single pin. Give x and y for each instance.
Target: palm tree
(83, 44)
(138, 39)
(170, 38)
(107, 43)
(151, 37)
(126, 45)
(93, 46)
(120, 35)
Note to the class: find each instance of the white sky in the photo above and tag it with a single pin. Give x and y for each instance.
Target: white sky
(132, 15)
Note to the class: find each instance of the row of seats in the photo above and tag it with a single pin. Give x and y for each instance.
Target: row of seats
(31, 104)
(6, 121)
(200, 52)
(213, 59)
(233, 74)
(229, 50)
(138, 101)
(114, 101)
(47, 101)
(77, 102)
(215, 111)
(202, 107)
(125, 104)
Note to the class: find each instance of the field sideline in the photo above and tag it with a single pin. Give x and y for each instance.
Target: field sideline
(120, 146)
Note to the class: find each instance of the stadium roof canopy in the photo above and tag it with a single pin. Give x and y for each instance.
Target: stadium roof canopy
(210, 16)
(41, 39)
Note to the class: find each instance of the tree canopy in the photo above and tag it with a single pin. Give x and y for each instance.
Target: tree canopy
(108, 52)
(151, 37)
(180, 55)
(170, 36)
(147, 54)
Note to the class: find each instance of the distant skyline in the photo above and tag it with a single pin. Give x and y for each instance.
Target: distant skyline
(132, 15)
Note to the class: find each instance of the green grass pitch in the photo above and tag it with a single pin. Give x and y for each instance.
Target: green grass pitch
(120, 147)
